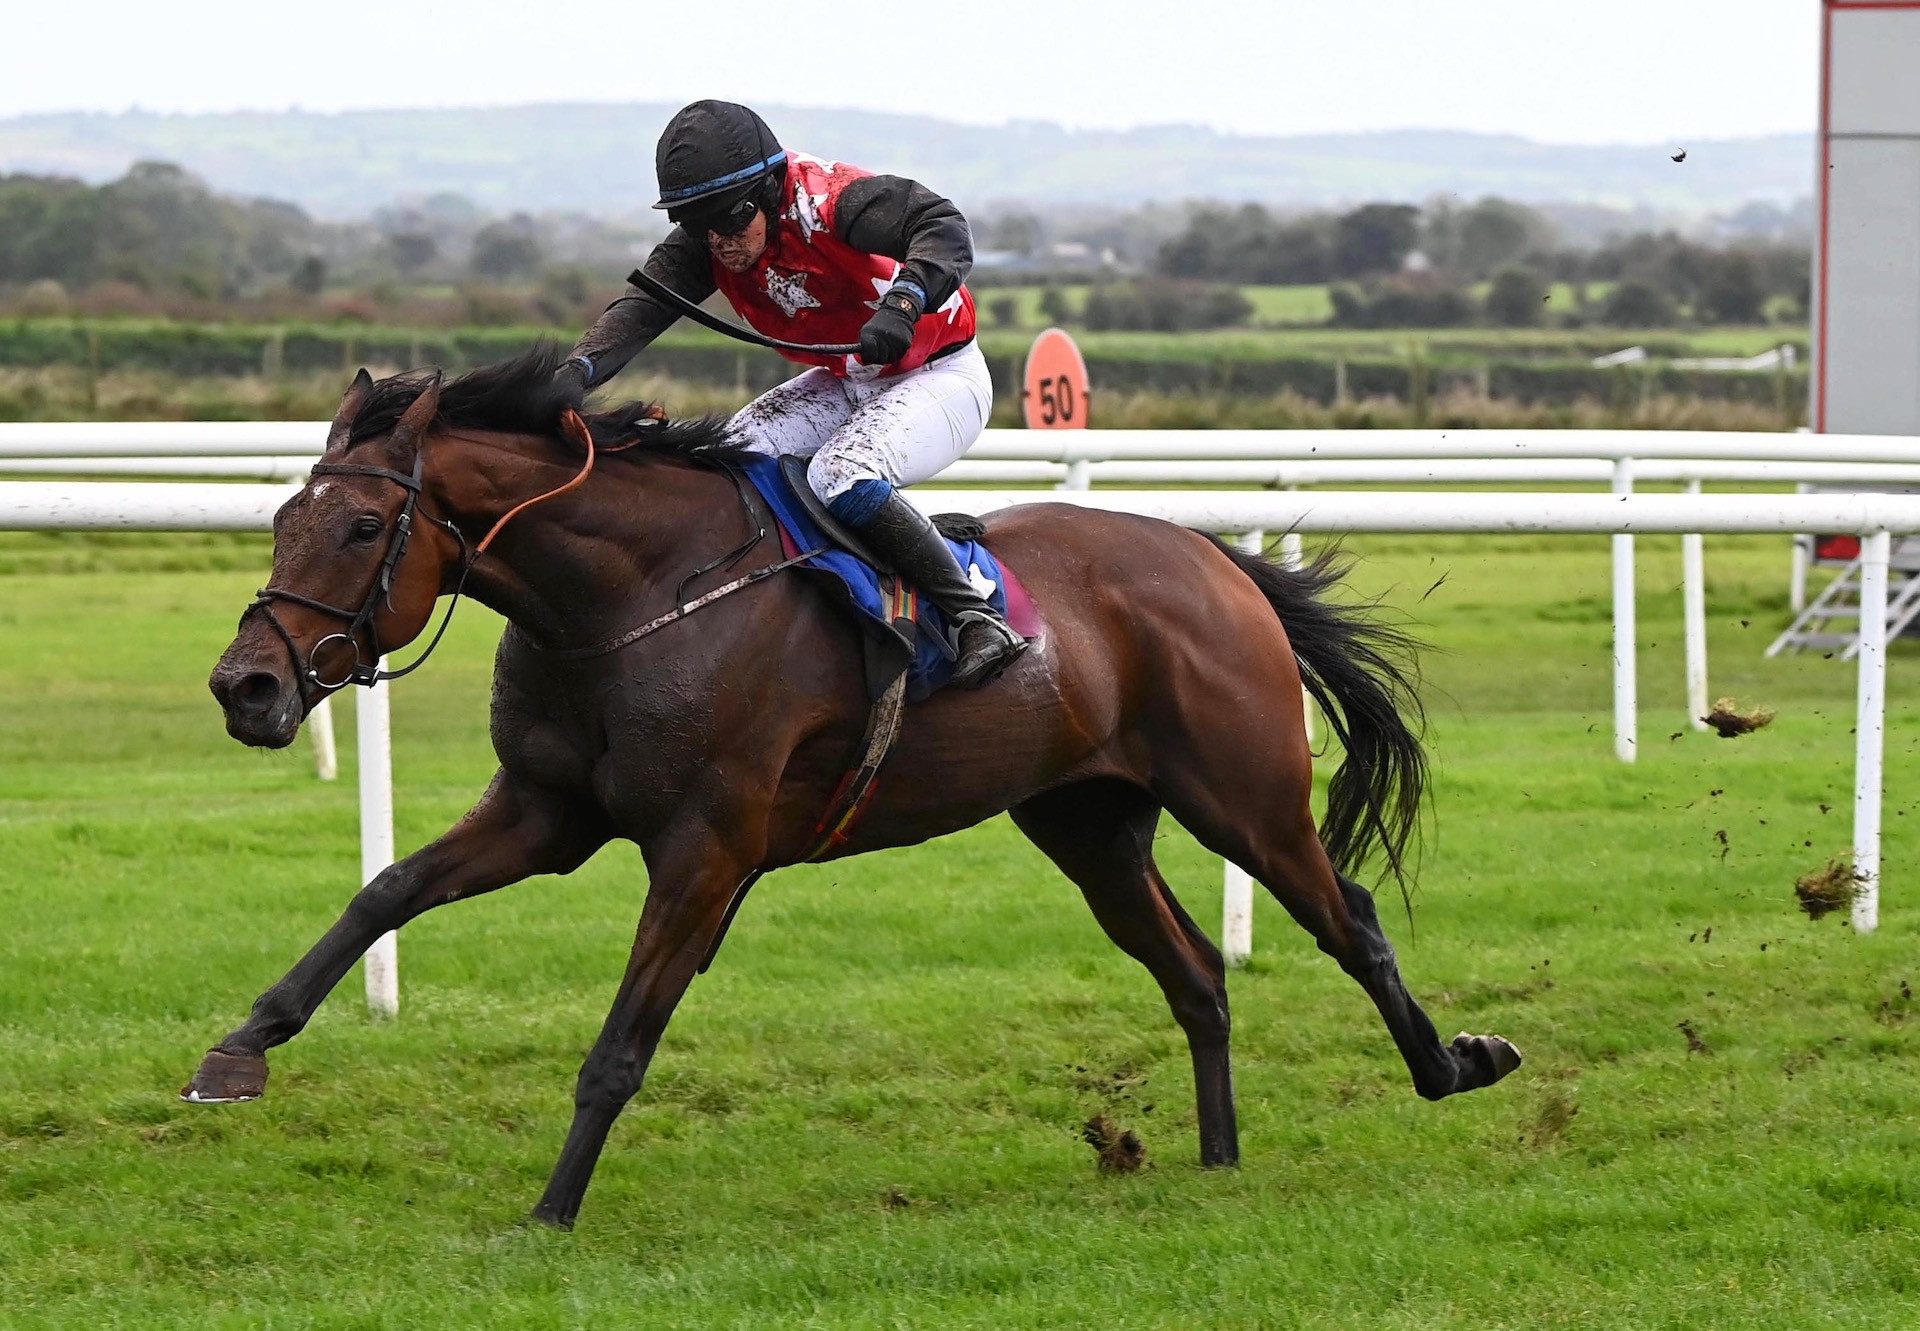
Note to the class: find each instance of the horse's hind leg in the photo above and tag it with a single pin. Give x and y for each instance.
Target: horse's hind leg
(514, 832)
(1269, 831)
(1100, 833)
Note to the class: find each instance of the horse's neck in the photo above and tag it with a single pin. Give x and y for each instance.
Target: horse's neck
(576, 568)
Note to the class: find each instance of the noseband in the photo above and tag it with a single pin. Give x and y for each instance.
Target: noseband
(363, 671)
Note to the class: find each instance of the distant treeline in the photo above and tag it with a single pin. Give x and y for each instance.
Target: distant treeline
(158, 239)
(158, 242)
(1448, 265)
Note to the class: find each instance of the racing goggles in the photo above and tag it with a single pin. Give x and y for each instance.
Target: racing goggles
(729, 220)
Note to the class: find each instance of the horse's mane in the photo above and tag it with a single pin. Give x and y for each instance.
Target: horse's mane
(518, 396)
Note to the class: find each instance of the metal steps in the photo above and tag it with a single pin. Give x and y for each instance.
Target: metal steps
(1814, 629)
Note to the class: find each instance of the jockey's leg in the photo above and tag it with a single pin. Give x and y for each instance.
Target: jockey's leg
(797, 416)
(905, 430)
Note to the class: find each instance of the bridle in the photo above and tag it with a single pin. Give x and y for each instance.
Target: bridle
(364, 671)
(367, 673)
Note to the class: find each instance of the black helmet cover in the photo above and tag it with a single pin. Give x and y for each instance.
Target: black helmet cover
(711, 154)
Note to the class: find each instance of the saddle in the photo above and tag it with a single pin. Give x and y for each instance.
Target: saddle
(902, 631)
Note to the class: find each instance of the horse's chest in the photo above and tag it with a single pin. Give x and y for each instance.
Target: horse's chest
(632, 745)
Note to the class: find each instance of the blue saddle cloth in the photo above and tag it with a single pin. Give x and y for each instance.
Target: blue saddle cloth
(900, 613)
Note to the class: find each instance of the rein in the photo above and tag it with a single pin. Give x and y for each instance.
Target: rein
(367, 673)
(660, 291)
(672, 616)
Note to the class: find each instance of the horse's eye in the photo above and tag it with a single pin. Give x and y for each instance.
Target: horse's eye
(366, 528)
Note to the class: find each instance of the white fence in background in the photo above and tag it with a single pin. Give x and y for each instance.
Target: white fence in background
(1267, 475)
(110, 439)
(1078, 459)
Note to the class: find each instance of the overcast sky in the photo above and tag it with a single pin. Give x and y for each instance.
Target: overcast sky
(1649, 71)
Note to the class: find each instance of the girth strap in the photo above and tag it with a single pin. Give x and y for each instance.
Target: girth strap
(849, 798)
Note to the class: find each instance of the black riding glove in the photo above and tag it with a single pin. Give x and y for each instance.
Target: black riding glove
(889, 332)
(571, 379)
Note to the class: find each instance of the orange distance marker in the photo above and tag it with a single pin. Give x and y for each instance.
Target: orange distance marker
(1054, 392)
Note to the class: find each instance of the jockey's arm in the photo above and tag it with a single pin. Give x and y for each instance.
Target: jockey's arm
(905, 220)
(636, 318)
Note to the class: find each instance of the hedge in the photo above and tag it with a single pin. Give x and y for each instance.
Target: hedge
(1181, 364)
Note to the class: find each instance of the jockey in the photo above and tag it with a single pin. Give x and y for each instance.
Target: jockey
(814, 251)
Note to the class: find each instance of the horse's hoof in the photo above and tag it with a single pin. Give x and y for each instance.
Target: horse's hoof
(1487, 1058)
(225, 1079)
(545, 1219)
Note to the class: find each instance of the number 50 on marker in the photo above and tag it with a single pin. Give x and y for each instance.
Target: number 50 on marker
(1054, 389)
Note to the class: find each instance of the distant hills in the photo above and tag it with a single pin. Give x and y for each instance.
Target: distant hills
(599, 158)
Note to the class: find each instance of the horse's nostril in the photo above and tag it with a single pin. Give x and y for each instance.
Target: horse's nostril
(254, 693)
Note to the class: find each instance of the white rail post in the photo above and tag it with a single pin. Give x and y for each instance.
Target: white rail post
(1625, 648)
(1236, 923)
(1293, 555)
(326, 758)
(1236, 927)
(1802, 559)
(376, 837)
(1870, 723)
(1079, 475)
(1693, 577)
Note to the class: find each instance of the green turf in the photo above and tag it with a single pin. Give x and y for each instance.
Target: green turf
(866, 1115)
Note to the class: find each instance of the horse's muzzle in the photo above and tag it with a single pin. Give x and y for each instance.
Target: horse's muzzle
(262, 706)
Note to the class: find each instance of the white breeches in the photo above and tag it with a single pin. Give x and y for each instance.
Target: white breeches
(903, 429)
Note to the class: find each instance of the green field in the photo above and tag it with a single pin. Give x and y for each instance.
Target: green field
(1272, 305)
(866, 1115)
(1296, 308)
(1439, 345)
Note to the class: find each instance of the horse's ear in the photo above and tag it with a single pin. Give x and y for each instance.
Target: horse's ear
(350, 404)
(415, 420)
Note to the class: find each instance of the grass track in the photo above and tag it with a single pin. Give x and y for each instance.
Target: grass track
(936, 1022)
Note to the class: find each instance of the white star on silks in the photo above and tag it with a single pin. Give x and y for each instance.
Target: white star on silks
(790, 293)
(805, 212)
(882, 285)
(981, 582)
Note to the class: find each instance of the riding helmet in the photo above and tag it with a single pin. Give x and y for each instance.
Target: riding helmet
(713, 154)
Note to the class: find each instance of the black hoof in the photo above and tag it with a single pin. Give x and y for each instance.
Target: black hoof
(551, 1220)
(225, 1079)
(1483, 1060)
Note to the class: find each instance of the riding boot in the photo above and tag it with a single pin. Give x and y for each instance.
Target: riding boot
(984, 643)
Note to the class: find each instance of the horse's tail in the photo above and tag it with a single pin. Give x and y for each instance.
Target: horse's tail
(1363, 674)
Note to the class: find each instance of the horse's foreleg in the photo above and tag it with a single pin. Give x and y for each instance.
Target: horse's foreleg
(514, 832)
(1101, 835)
(693, 876)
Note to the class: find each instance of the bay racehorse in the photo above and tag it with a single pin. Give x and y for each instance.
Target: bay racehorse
(1168, 677)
